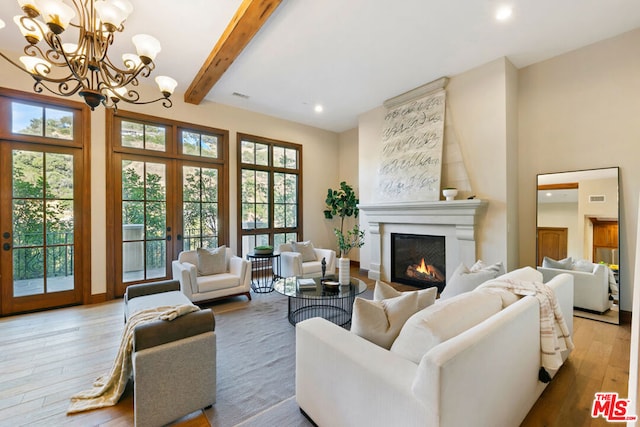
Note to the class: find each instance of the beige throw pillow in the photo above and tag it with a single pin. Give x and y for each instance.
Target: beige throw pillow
(383, 290)
(306, 250)
(212, 261)
(381, 321)
(466, 279)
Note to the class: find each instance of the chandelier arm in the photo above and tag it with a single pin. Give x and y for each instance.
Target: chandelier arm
(77, 68)
(64, 89)
(166, 102)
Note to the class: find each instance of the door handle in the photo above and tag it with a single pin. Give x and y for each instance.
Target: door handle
(168, 238)
(6, 234)
(179, 237)
(6, 246)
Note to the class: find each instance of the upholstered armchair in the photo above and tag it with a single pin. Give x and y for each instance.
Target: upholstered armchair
(201, 283)
(302, 259)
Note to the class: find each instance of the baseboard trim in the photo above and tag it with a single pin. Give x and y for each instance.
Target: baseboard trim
(625, 317)
(98, 298)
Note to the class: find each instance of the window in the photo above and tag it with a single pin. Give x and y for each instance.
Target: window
(270, 181)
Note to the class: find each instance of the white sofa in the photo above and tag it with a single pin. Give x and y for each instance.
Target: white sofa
(292, 264)
(234, 281)
(487, 375)
(590, 290)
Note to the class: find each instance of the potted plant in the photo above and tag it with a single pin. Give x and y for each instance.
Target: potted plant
(343, 203)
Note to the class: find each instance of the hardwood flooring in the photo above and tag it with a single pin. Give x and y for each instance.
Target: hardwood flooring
(48, 356)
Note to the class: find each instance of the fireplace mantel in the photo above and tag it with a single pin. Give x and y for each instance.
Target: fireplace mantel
(456, 212)
(456, 220)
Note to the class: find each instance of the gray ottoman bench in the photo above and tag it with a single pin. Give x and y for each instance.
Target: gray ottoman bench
(174, 362)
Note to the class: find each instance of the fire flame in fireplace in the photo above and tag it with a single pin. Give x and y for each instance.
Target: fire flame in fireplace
(425, 269)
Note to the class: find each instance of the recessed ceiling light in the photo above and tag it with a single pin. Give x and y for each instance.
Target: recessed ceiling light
(318, 108)
(1, 23)
(504, 12)
(548, 194)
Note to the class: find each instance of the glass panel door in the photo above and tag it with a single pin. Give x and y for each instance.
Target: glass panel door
(143, 216)
(38, 227)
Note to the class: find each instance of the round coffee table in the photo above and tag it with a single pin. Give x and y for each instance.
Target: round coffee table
(311, 298)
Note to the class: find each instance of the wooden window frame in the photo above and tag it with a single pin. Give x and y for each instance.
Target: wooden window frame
(270, 230)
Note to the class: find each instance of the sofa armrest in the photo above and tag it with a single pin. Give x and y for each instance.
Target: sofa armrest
(500, 354)
(330, 257)
(290, 264)
(174, 379)
(160, 332)
(357, 379)
(151, 288)
(187, 274)
(236, 266)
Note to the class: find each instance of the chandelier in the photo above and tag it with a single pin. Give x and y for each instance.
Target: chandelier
(65, 57)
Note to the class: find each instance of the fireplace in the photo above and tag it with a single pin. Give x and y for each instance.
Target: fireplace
(455, 220)
(418, 260)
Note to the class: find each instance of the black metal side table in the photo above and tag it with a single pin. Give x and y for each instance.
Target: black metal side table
(265, 270)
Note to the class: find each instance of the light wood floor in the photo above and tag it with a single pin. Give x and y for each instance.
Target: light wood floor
(46, 357)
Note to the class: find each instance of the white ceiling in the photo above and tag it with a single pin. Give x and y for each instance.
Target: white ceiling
(351, 55)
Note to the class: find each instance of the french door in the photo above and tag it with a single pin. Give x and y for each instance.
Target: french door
(163, 206)
(167, 193)
(144, 219)
(40, 226)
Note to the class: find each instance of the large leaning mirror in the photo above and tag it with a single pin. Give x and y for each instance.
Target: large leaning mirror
(577, 233)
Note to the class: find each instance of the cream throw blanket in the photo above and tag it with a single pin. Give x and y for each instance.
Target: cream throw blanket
(108, 388)
(554, 333)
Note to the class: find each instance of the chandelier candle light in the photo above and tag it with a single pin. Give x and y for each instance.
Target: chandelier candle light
(65, 57)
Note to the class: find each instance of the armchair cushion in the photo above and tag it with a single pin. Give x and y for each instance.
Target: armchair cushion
(211, 261)
(306, 249)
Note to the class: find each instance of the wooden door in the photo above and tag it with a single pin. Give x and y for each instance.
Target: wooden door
(552, 242)
(41, 222)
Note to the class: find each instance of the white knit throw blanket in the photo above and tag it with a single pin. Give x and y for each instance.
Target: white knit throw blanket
(108, 388)
(554, 333)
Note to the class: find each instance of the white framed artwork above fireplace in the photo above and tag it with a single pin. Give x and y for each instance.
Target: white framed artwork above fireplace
(456, 220)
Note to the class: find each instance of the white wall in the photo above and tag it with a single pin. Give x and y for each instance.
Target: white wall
(477, 121)
(320, 169)
(579, 111)
(348, 171)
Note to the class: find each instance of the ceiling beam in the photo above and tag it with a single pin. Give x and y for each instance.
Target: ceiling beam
(250, 17)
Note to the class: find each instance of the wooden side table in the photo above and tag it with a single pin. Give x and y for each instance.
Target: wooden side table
(265, 270)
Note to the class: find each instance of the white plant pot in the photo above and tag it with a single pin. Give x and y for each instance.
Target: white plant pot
(450, 193)
(344, 276)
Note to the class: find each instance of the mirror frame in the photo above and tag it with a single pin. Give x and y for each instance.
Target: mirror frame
(562, 180)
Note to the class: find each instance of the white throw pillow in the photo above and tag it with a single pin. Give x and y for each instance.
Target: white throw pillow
(383, 290)
(212, 261)
(305, 249)
(480, 265)
(583, 265)
(442, 321)
(563, 264)
(464, 280)
(381, 321)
